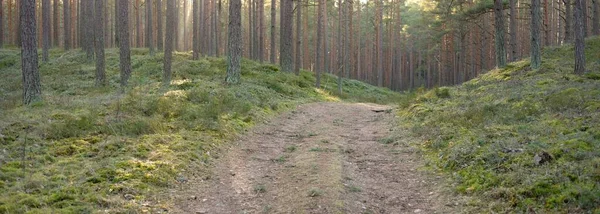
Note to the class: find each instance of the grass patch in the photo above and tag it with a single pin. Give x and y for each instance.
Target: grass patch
(291, 148)
(91, 148)
(487, 133)
(315, 192)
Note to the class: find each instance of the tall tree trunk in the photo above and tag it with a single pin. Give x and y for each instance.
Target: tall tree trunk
(149, 27)
(585, 17)
(45, 28)
(195, 36)
(169, 34)
(273, 35)
(298, 37)
(159, 25)
(67, 24)
(124, 52)
(87, 33)
(536, 18)
(234, 42)
(579, 37)
(99, 28)
(379, 43)
(138, 24)
(251, 30)
(500, 47)
(568, 20)
(318, 67)
(261, 30)
(1, 24)
(55, 24)
(596, 19)
(546, 24)
(339, 47)
(29, 58)
(286, 36)
(513, 31)
(217, 27)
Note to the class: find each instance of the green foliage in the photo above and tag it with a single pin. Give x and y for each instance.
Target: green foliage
(94, 148)
(486, 135)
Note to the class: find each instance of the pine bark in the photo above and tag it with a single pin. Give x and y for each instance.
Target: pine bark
(261, 30)
(195, 36)
(379, 30)
(1, 24)
(318, 55)
(99, 34)
(29, 58)
(536, 18)
(579, 36)
(159, 25)
(568, 20)
(87, 33)
(513, 31)
(149, 26)
(273, 35)
(124, 52)
(45, 29)
(298, 62)
(500, 47)
(286, 36)
(55, 24)
(596, 18)
(67, 24)
(546, 24)
(234, 42)
(169, 34)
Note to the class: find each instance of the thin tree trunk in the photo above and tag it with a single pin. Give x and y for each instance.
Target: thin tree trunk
(67, 24)
(513, 31)
(138, 26)
(546, 24)
(159, 25)
(169, 34)
(56, 24)
(234, 42)
(124, 52)
(273, 35)
(261, 30)
(579, 37)
(99, 28)
(568, 20)
(500, 47)
(149, 27)
(217, 27)
(286, 36)
(318, 68)
(536, 17)
(195, 36)
(45, 28)
(298, 37)
(596, 19)
(1, 24)
(380, 44)
(29, 58)
(339, 47)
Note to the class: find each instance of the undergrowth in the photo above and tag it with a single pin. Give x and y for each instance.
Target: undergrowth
(86, 149)
(516, 139)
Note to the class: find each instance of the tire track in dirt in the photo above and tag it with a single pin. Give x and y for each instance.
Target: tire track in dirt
(319, 158)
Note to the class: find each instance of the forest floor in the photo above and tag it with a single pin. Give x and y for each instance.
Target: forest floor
(320, 158)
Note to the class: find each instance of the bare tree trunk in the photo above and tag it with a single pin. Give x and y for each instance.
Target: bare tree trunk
(124, 52)
(286, 36)
(99, 28)
(159, 25)
(536, 17)
(546, 24)
(261, 30)
(298, 37)
(568, 20)
(45, 28)
(379, 43)
(318, 67)
(216, 25)
(579, 37)
(234, 42)
(500, 48)
(513, 31)
(596, 19)
(273, 24)
(67, 24)
(29, 58)
(1, 24)
(169, 34)
(195, 36)
(138, 26)
(149, 27)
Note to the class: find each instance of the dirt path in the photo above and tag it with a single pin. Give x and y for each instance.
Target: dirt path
(320, 158)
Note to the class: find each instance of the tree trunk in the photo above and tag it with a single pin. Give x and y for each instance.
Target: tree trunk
(318, 67)
(513, 31)
(339, 47)
(546, 24)
(536, 17)
(67, 24)
(99, 28)
(379, 43)
(298, 37)
(55, 24)
(579, 37)
(124, 52)
(1, 24)
(568, 20)
(29, 58)
(217, 25)
(87, 33)
(261, 30)
(195, 36)
(500, 47)
(45, 28)
(596, 19)
(273, 24)
(169, 34)
(286, 36)
(159, 25)
(149, 27)
(234, 42)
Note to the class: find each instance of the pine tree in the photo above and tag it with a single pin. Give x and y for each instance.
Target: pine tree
(45, 29)
(29, 58)
(500, 47)
(579, 36)
(169, 34)
(67, 25)
(234, 42)
(124, 52)
(99, 42)
(285, 36)
(149, 27)
(536, 17)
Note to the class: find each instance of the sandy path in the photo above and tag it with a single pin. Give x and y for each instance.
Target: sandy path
(320, 158)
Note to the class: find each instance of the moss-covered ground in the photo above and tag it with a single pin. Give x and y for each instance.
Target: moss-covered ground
(516, 139)
(86, 149)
